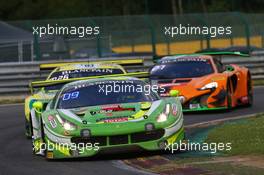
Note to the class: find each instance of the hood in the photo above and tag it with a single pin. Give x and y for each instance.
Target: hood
(116, 113)
(190, 83)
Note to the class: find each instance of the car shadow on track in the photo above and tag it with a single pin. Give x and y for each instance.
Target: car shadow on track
(114, 155)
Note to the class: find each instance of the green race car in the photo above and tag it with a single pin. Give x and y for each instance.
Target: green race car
(68, 72)
(89, 116)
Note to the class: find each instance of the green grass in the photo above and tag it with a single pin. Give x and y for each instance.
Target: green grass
(11, 101)
(247, 139)
(258, 82)
(207, 163)
(246, 136)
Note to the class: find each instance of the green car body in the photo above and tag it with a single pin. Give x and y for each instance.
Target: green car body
(66, 73)
(66, 130)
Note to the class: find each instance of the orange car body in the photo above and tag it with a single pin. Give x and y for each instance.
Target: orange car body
(224, 87)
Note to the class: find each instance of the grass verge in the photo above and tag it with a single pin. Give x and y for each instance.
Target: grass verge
(258, 82)
(245, 158)
(12, 99)
(246, 136)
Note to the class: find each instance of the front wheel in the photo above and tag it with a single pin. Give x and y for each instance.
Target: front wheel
(39, 144)
(28, 128)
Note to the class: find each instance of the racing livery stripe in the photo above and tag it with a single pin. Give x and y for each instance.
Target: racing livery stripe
(154, 106)
(178, 125)
(52, 136)
(70, 115)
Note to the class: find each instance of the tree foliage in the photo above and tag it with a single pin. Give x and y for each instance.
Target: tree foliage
(47, 9)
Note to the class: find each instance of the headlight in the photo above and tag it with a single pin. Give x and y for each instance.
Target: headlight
(162, 118)
(66, 124)
(210, 86)
(182, 99)
(164, 115)
(52, 121)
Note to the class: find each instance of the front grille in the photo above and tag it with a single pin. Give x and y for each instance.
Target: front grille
(182, 81)
(101, 140)
(147, 136)
(118, 139)
(165, 81)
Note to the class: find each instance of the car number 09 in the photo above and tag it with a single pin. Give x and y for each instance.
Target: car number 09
(68, 96)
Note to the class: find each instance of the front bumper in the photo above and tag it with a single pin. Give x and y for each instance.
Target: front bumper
(213, 100)
(63, 147)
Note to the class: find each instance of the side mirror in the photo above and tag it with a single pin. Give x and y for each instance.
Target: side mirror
(38, 106)
(229, 68)
(174, 93)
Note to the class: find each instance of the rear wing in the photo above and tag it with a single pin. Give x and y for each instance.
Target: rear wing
(47, 83)
(124, 62)
(157, 58)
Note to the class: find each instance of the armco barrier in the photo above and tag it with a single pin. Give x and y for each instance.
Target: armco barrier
(15, 77)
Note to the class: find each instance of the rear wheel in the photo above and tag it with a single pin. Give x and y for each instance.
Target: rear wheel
(249, 91)
(29, 129)
(229, 95)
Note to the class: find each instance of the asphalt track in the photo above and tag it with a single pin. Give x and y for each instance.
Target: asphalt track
(16, 156)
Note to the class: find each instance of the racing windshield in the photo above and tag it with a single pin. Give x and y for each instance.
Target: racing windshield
(102, 93)
(182, 69)
(79, 73)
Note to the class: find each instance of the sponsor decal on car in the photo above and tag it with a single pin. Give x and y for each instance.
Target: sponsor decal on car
(194, 106)
(174, 109)
(112, 119)
(52, 121)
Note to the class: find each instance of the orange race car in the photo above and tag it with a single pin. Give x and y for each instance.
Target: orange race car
(202, 82)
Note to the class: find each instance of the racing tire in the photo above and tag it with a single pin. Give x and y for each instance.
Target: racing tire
(249, 91)
(229, 96)
(43, 136)
(29, 129)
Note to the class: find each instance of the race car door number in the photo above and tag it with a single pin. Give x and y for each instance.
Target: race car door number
(194, 106)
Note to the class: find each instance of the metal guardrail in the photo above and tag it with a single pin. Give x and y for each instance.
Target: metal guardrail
(15, 77)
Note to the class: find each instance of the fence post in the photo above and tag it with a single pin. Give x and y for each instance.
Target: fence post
(36, 47)
(168, 45)
(231, 40)
(247, 29)
(35, 44)
(205, 24)
(98, 40)
(20, 51)
(153, 37)
(98, 45)
(262, 40)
